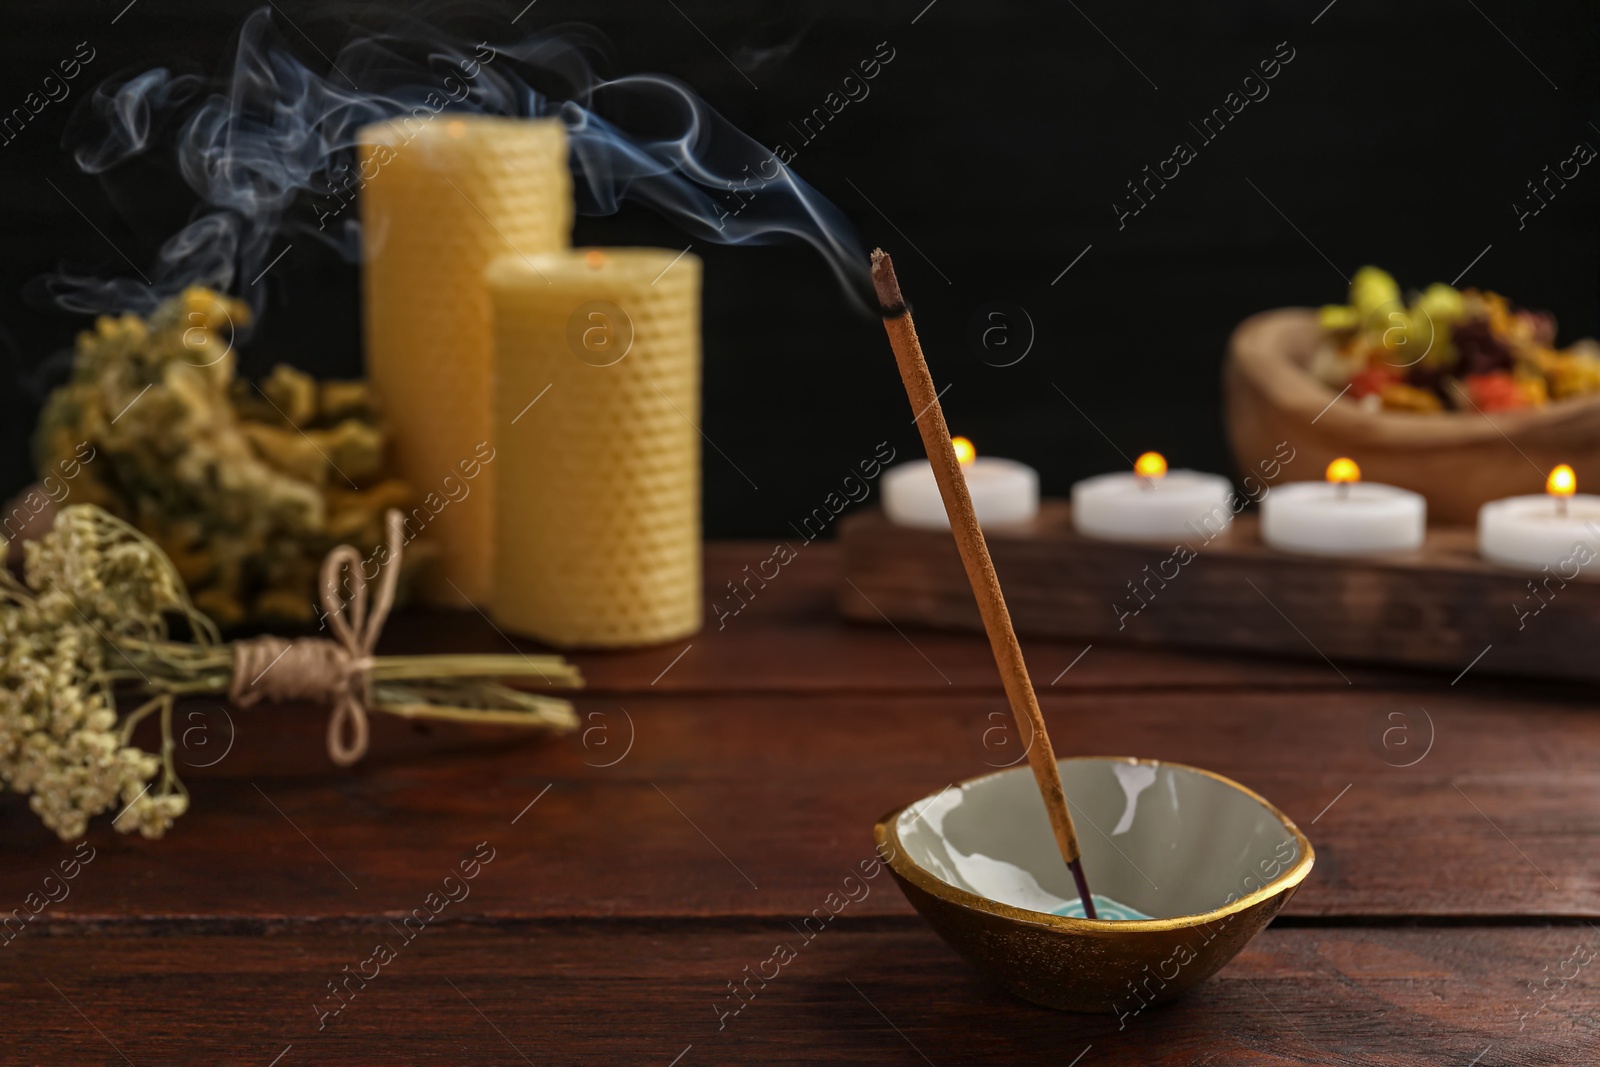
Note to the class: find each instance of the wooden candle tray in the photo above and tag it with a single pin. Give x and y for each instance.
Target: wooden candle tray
(1440, 607)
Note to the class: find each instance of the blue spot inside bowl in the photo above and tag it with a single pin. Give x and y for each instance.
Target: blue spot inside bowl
(1105, 908)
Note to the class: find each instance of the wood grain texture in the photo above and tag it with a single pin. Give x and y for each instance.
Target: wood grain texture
(609, 993)
(1437, 608)
(787, 636)
(783, 791)
(1454, 828)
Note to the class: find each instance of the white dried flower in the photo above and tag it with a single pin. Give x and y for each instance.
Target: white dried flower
(59, 737)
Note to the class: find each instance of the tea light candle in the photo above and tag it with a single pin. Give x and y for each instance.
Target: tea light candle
(1151, 503)
(1343, 516)
(1004, 492)
(1534, 532)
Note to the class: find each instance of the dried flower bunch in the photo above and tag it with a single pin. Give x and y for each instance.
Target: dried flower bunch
(91, 619)
(246, 487)
(1447, 349)
(87, 587)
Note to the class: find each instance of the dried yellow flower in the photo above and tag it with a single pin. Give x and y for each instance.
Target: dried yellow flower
(238, 482)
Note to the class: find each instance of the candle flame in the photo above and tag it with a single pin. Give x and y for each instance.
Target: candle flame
(1150, 465)
(1562, 482)
(1344, 471)
(965, 453)
(594, 259)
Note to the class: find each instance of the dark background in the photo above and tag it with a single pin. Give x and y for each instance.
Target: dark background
(996, 141)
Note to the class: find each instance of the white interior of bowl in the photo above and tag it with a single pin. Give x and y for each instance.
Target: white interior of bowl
(1166, 840)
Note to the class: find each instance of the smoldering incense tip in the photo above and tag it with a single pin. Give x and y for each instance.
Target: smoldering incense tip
(891, 305)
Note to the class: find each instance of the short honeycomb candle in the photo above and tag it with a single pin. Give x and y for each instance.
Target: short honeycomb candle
(1559, 530)
(1151, 503)
(1343, 516)
(441, 196)
(1004, 492)
(596, 409)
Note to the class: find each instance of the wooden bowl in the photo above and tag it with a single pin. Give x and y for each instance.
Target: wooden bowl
(1458, 460)
(1209, 861)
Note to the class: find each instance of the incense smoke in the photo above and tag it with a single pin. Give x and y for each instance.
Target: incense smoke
(270, 150)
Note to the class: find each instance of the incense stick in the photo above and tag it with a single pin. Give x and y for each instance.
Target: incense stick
(975, 558)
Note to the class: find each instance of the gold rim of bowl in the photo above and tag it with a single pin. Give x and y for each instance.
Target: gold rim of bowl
(901, 863)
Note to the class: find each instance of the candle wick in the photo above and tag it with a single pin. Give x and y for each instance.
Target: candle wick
(1561, 507)
(1146, 482)
(1342, 490)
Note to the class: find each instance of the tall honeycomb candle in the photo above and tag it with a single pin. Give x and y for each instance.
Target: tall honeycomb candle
(597, 404)
(441, 196)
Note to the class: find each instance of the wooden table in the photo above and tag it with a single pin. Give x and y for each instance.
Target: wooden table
(725, 786)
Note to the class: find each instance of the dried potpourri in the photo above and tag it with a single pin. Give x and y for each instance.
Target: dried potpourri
(1446, 349)
(245, 486)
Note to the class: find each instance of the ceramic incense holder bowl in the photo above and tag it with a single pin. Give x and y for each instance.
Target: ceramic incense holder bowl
(1198, 865)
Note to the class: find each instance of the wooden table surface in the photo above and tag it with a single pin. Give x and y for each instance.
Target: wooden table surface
(724, 786)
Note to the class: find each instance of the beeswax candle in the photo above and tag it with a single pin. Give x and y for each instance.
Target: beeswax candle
(441, 196)
(597, 408)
